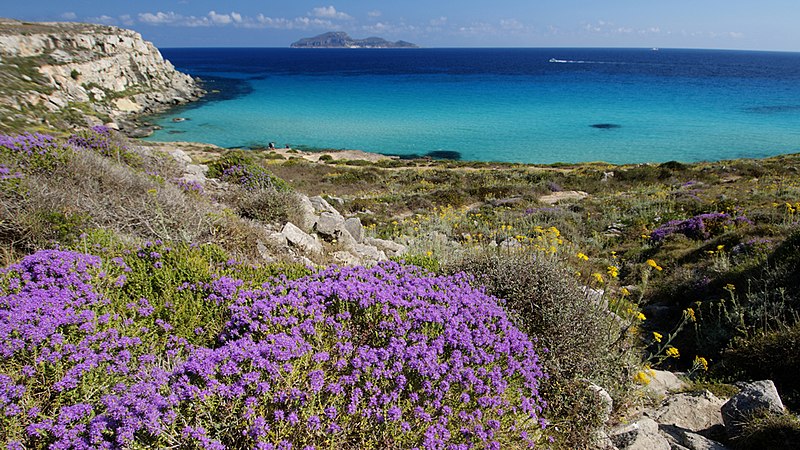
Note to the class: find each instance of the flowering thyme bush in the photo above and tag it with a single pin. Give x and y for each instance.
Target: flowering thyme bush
(343, 358)
(700, 227)
(238, 168)
(102, 140)
(33, 152)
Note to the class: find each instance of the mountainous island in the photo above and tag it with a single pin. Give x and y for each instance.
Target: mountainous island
(340, 39)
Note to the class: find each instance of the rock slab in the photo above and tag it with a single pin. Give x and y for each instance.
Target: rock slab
(754, 397)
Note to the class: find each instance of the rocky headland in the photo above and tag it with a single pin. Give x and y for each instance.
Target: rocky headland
(66, 75)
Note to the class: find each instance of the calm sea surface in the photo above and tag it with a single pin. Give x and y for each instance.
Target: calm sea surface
(519, 105)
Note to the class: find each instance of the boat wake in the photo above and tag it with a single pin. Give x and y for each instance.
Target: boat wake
(571, 61)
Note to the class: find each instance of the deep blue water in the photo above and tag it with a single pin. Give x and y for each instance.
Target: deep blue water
(520, 105)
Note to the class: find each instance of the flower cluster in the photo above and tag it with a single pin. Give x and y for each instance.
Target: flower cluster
(33, 151)
(189, 186)
(7, 174)
(389, 354)
(700, 227)
(99, 139)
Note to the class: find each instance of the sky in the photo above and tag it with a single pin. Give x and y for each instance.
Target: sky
(722, 24)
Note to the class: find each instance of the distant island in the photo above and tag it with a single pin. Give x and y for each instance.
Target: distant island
(340, 39)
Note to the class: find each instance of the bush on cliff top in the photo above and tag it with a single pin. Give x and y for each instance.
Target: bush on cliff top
(164, 347)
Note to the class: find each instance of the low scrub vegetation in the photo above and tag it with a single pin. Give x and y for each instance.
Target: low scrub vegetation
(139, 309)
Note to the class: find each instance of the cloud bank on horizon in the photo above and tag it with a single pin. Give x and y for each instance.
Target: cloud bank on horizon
(735, 24)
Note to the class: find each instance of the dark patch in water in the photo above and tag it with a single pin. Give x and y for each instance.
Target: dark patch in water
(175, 132)
(773, 109)
(445, 154)
(605, 126)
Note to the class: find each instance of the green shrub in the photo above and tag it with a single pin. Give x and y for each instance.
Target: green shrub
(772, 356)
(769, 431)
(427, 262)
(584, 342)
(235, 166)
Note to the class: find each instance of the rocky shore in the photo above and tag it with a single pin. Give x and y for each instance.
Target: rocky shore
(74, 74)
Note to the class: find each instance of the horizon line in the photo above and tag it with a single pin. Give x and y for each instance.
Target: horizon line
(482, 47)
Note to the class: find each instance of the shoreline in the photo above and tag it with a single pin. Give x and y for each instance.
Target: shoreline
(205, 151)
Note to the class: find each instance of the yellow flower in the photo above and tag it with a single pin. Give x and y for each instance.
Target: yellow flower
(654, 265)
(613, 271)
(625, 291)
(582, 256)
(657, 336)
(598, 277)
(701, 362)
(690, 315)
(672, 352)
(641, 377)
(641, 316)
(720, 248)
(429, 253)
(730, 288)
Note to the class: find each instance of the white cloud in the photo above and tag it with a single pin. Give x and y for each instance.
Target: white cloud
(439, 21)
(104, 19)
(374, 13)
(69, 16)
(219, 19)
(126, 20)
(160, 18)
(329, 12)
(609, 28)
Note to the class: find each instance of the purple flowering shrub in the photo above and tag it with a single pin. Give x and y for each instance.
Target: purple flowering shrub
(32, 152)
(700, 227)
(162, 346)
(189, 186)
(104, 141)
(238, 168)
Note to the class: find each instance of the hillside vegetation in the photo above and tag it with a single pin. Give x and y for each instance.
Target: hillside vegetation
(142, 310)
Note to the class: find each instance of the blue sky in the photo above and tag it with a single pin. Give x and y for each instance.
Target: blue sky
(728, 24)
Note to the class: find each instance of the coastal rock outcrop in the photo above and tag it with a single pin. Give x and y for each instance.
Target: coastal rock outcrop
(70, 71)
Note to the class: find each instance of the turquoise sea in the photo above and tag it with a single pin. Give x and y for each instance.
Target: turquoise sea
(516, 105)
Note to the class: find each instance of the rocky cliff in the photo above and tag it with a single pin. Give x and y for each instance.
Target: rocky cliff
(61, 74)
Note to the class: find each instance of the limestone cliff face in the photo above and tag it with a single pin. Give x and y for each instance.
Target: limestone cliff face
(105, 70)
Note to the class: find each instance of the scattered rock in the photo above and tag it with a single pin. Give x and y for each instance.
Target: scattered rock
(196, 173)
(368, 254)
(354, 227)
(605, 400)
(640, 435)
(389, 247)
(695, 412)
(320, 205)
(307, 216)
(345, 258)
(754, 397)
(683, 439)
(180, 156)
(555, 197)
(301, 239)
(329, 224)
(662, 382)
